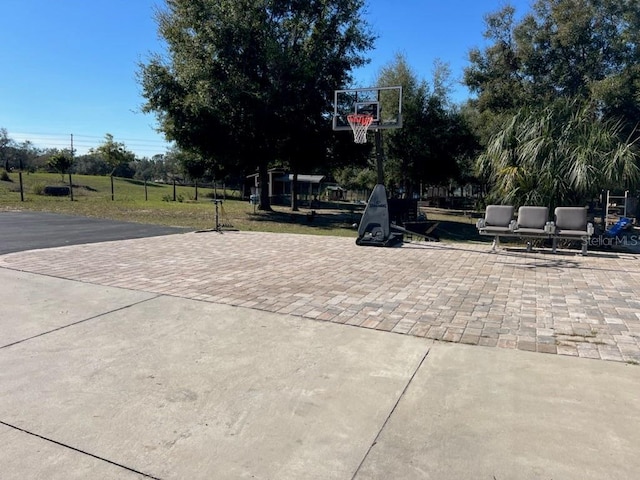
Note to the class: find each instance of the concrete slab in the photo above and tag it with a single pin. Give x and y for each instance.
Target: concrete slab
(24, 456)
(180, 389)
(484, 413)
(32, 304)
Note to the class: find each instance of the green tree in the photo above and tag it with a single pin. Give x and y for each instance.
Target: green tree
(434, 136)
(144, 169)
(356, 178)
(494, 75)
(585, 50)
(193, 167)
(557, 155)
(25, 155)
(406, 149)
(61, 162)
(576, 63)
(5, 143)
(115, 155)
(91, 164)
(22, 156)
(168, 165)
(246, 83)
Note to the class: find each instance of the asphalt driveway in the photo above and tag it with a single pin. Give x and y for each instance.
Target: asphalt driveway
(21, 231)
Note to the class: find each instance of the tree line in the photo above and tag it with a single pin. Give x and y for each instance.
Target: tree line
(109, 157)
(552, 119)
(247, 85)
(556, 108)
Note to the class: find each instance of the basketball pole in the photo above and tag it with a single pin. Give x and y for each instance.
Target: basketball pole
(375, 228)
(379, 156)
(362, 108)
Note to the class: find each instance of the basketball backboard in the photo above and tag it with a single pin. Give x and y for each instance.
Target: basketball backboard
(383, 103)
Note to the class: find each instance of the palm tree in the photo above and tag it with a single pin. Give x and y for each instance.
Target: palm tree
(562, 154)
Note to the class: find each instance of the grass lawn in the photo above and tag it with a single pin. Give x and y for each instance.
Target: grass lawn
(92, 198)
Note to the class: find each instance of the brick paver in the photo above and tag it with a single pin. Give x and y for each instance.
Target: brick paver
(562, 304)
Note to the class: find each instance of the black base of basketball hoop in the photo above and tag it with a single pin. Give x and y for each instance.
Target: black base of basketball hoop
(372, 241)
(374, 229)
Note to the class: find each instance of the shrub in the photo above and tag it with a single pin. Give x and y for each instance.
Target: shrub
(38, 188)
(4, 176)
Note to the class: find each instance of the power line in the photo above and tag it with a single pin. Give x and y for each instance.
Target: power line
(54, 136)
(84, 142)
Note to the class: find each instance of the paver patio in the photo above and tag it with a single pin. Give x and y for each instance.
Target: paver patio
(563, 303)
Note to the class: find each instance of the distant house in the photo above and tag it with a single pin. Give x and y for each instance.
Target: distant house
(280, 184)
(334, 193)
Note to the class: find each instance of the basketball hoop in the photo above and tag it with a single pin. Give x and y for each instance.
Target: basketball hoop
(360, 123)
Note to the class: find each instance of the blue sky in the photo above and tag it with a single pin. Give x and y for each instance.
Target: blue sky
(69, 66)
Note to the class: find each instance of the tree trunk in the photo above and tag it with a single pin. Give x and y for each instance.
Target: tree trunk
(263, 174)
(294, 193)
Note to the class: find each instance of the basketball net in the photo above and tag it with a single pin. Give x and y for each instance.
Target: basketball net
(360, 123)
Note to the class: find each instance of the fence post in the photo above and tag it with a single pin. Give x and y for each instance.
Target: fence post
(70, 187)
(21, 186)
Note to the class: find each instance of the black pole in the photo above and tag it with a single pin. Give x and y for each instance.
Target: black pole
(21, 186)
(217, 227)
(379, 157)
(146, 197)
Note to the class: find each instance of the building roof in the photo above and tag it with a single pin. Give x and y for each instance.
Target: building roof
(302, 178)
(288, 177)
